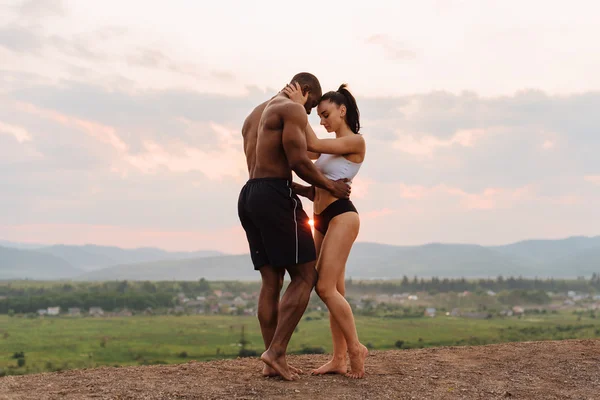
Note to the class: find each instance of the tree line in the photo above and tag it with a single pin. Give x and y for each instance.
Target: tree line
(498, 284)
(28, 297)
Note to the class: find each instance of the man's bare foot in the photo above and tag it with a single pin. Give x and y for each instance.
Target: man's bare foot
(335, 366)
(279, 365)
(357, 363)
(295, 370)
(270, 372)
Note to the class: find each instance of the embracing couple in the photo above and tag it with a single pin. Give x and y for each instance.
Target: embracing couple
(278, 140)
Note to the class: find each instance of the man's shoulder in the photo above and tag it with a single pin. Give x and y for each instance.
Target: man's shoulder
(254, 115)
(278, 107)
(292, 111)
(280, 103)
(258, 110)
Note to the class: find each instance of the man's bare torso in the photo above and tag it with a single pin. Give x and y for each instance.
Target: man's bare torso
(262, 133)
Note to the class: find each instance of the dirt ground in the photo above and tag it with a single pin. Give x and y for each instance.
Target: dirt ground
(547, 370)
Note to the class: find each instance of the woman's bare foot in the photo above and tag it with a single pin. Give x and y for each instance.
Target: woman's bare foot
(270, 372)
(357, 363)
(335, 366)
(278, 364)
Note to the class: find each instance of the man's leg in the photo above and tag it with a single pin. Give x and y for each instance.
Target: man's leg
(268, 301)
(268, 306)
(292, 306)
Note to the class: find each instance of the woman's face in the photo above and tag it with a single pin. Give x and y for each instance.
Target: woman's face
(332, 116)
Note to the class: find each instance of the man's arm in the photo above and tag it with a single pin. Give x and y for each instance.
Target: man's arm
(304, 191)
(294, 145)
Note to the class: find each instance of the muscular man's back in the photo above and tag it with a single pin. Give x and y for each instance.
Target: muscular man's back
(262, 132)
(250, 135)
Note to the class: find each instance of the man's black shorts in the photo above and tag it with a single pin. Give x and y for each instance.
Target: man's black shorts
(276, 225)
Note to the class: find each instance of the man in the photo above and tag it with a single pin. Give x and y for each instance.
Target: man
(271, 213)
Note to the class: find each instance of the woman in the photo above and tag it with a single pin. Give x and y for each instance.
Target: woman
(336, 221)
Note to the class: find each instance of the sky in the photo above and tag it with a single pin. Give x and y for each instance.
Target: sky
(120, 121)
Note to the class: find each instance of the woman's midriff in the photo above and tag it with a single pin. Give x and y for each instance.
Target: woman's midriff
(322, 199)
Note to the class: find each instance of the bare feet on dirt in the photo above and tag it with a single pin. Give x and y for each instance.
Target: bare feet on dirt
(335, 366)
(528, 370)
(357, 363)
(270, 372)
(279, 365)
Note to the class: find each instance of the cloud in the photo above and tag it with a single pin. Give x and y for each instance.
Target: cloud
(123, 107)
(394, 49)
(11, 80)
(374, 214)
(101, 55)
(441, 114)
(30, 42)
(488, 199)
(226, 161)
(148, 58)
(475, 142)
(594, 179)
(81, 46)
(19, 133)
(20, 39)
(223, 75)
(153, 58)
(416, 214)
(103, 133)
(37, 9)
(360, 187)
(426, 145)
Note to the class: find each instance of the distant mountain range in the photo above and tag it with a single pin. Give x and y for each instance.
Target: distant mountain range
(563, 258)
(17, 264)
(64, 261)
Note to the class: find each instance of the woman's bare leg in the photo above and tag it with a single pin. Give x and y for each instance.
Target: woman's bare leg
(335, 249)
(338, 364)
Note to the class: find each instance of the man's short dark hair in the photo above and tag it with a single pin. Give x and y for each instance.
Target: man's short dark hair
(305, 78)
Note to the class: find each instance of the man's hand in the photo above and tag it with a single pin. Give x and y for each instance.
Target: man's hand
(304, 191)
(341, 189)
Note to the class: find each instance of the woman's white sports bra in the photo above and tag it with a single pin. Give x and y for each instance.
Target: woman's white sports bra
(335, 167)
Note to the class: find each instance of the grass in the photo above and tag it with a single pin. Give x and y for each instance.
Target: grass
(51, 344)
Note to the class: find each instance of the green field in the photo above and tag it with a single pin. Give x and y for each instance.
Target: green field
(51, 344)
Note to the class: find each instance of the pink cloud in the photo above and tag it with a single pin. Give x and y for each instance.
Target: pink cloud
(427, 145)
(568, 200)
(594, 179)
(378, 213)
(412, 192)
(18, 132)
(489, 198)
(104, 133)
(360, 187)
(227, 160)
(395, 50)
